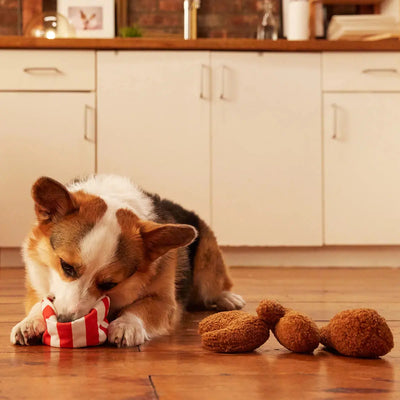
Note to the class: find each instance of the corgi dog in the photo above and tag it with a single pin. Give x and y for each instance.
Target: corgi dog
(106, 236)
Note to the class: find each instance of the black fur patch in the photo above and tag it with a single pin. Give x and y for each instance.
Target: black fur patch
(168, 212)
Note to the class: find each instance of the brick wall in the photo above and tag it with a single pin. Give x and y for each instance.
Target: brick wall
(216, 18)
(9, 17)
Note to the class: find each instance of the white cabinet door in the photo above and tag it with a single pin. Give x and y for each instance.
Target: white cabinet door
(266, 149)
(153, 122)
(40, 134)
(362, 168)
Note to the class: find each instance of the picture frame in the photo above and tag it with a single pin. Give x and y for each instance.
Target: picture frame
(91, 18)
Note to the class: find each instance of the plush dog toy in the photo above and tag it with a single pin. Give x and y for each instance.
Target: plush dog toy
(356, 333)
(293, 330)
(90, 330)
(360, 333)
(233, 332)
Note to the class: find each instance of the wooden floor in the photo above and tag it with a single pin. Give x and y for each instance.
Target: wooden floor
(176, 367)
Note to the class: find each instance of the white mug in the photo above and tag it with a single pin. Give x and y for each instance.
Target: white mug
(298, 20)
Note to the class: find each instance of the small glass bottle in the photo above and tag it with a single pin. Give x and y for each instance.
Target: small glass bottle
(268, 27)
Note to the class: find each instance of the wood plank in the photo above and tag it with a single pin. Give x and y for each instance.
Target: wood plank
(68, 387)
(314, 384)
(19, 42)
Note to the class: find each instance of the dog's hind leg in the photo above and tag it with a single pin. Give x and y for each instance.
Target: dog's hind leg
(211, 280)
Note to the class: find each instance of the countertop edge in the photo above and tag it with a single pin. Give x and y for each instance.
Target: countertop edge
(20, 42)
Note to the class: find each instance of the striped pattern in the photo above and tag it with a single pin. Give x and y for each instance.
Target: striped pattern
(90, 330)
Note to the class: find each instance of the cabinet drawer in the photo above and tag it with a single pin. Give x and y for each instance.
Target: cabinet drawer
(47, 70)
(361, 72)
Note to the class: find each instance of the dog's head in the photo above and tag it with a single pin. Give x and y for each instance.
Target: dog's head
(91, 246)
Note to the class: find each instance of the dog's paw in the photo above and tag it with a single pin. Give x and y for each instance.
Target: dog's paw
(127, 331)
(229, 301)
(28, 331)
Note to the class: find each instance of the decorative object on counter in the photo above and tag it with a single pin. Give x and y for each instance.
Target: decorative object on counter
(49, 25)
(91, 18)
(298, 20)
(361, 27)
(319, 18)
(190, 8)
(360, 6)
(269, 26)
(130, 31)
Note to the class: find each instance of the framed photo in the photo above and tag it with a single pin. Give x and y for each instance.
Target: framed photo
(91, 18)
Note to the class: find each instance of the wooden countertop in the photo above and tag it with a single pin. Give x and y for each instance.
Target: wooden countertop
(20, 42)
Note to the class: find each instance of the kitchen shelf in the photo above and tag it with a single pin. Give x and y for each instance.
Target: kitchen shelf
(20, 42)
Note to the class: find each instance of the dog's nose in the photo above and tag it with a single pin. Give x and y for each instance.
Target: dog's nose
(65, 317)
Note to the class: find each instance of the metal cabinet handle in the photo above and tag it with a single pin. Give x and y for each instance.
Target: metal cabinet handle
(222, 96)
(53, 70)
(202, 69)
(335, 109)
(380, 70)
(85, 135)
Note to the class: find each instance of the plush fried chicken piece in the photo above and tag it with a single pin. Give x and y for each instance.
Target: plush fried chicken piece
(233, 332)
(360, 333)
(293, 330)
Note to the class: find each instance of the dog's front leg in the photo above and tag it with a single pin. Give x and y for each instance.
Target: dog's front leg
(30, 329)
(142, 320)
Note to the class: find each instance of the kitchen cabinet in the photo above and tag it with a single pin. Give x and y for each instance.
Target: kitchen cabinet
(234, 136)
(361, 71)
(153, 123)
(270, 148)
(42, 133)
(362, 164)
(266, 149)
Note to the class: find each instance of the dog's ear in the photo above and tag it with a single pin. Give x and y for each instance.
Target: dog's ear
(52, 200)
(160, 238)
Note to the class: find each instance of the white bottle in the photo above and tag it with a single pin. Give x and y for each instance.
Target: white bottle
(187, 20)
(298, 20)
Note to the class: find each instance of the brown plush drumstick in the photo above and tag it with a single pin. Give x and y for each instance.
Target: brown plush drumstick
(233, 332)
(360, 332)
(293, 330)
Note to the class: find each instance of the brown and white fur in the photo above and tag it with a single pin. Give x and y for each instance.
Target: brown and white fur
(105, 231)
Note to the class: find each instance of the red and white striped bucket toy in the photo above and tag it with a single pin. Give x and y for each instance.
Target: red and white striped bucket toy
(90, 330)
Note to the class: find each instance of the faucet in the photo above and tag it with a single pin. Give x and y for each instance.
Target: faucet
(190, 8)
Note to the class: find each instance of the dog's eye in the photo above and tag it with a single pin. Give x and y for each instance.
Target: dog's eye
(106, 286)
(69, 270)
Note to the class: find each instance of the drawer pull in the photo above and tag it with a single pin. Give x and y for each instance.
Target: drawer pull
(222, 95)
(86, 122)
(380, 70)
(52, 70)
(204, 68)
(335, 109)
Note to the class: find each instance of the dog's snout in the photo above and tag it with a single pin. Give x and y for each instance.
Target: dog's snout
(65, 317)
